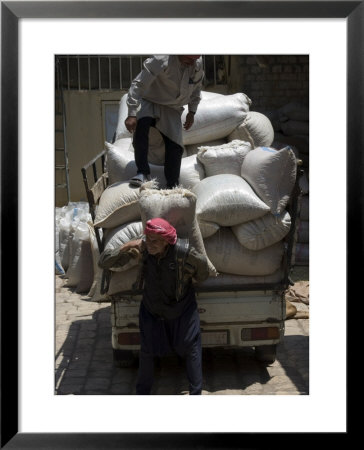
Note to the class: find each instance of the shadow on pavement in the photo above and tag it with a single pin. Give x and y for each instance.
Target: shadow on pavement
(84, 365)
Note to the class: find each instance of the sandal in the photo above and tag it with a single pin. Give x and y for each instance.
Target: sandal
(139, 179)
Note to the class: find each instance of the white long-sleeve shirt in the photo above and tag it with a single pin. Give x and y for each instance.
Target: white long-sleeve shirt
(161, 90)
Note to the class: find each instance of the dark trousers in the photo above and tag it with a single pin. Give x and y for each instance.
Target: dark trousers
(159, 337)
(173, 152)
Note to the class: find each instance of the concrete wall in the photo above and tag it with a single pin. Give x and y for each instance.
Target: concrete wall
(84, 134)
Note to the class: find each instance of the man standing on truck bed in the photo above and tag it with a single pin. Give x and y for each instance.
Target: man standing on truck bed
(162, 88)
(168, 315)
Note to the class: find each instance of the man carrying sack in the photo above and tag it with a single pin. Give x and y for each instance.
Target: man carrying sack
(168, 315)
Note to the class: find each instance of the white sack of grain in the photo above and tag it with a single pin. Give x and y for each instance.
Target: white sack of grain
(58, 262)
(77, 266)
(208, 228)
(178, 207)
(301, 142)
(118, 204)
(121, 167)
(69, 218)
(156, 147)
(216, 118)
(272, 175)
(122, 132)
(205, 95)
(119, 236)
(123, 281)
(280, 145)
(226, 158)
(94, 292)
(194, 148)
(125, 143)
(229, 256)
(227, 200)
(261, 233)
(64, 242)
(256, 129)
(192, 172)
(86, 268)
(59, 270)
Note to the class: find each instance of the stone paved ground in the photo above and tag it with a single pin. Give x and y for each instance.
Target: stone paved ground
(84, 360)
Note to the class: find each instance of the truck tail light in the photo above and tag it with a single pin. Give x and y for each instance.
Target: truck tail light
(261, 333)
(129, 338)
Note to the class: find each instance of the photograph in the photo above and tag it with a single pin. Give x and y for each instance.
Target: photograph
(215, 150)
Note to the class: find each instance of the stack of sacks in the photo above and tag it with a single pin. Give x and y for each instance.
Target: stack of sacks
(175, 205)
(241, 209)
(233, 183)
(121, 167)
(255, 129)
(291, 127)
(217, 116)
(122, 213)
(118, 215)
(301, 250)
(73, 256)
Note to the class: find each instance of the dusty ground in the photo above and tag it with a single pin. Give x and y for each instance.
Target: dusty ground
(84, 359)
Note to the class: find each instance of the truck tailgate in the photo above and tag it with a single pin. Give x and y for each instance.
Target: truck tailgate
(242, 307)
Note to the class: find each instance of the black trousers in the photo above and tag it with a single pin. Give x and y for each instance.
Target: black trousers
(173, 152)
(160, 337)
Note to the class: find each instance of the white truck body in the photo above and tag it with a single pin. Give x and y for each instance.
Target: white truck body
(227, 319)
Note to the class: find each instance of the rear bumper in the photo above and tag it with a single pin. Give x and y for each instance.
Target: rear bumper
(227, 319)
(217, 335)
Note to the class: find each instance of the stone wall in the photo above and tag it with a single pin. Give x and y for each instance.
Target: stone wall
(270, 81)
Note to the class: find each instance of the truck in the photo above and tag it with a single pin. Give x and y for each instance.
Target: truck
(232, 314)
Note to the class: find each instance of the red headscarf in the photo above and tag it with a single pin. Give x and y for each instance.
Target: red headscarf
(163, 228)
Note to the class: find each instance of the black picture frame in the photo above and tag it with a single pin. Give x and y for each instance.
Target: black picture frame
(11, 12)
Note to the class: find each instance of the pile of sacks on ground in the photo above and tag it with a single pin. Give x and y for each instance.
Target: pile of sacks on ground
(231, 202)
(75, 246)
(291, 127)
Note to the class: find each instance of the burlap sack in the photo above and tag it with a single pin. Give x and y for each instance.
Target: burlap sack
(118, 204)
(178, 207)
(263, 232)
(256, 129)
(216, 118)
(227, 200)
(229, 256)
(121, 167)
(272, 175)
(119, 236)
(226, 158)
